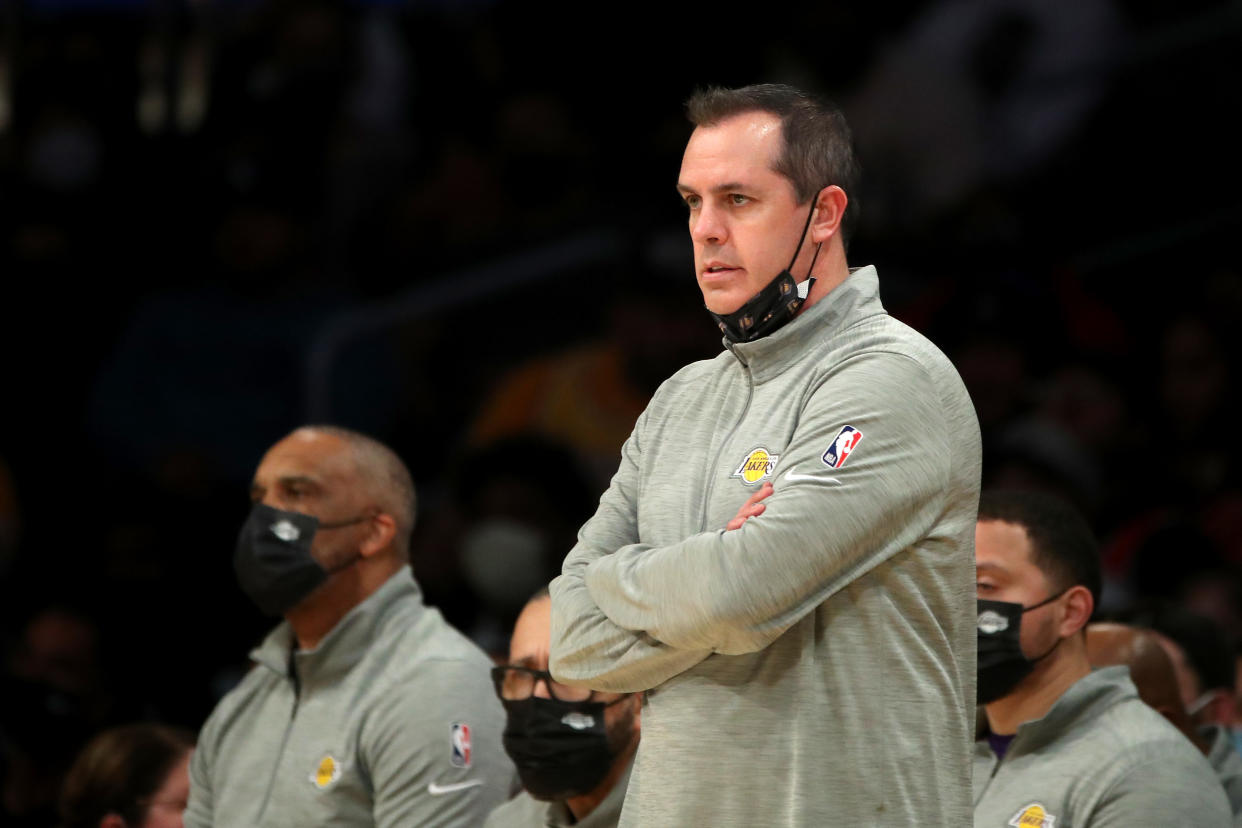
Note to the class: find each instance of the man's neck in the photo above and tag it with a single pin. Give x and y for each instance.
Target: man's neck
(324, 608)
(580, 806)
(830, 272)
(1035, 694)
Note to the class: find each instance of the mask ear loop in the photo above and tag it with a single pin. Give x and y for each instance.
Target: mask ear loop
(809, 280)
(1047, 600)
(802, 238)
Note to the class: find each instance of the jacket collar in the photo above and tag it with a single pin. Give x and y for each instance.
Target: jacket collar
(347, 642)
(1086, 699)
(854, 299)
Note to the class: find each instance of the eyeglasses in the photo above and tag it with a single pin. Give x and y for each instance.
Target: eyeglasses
(514, 683)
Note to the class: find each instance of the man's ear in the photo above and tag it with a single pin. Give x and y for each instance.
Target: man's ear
(1078, 608)
(383, 530)
(829, 210)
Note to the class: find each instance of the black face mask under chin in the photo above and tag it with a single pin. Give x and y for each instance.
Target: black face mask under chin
(560, 748)
(998, 639)
(775, 304)
(273, 558)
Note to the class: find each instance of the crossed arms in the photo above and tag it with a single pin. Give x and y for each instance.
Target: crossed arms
(627, 616)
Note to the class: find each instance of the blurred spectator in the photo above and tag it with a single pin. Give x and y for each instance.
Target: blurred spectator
(589, 396)
(134, 776)
(1201, 657)
(515, 510)
(1151, 670)
(55, 697)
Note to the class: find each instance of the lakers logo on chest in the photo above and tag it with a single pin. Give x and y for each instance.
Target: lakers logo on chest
(1033, 816)
(757, 466)
(326, 772)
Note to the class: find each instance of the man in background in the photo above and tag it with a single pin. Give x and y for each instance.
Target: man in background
(364, 708)
(573, 748)
(1060, 744)
(1153, 675)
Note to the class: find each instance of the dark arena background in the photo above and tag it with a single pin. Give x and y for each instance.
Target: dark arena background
(453, 225)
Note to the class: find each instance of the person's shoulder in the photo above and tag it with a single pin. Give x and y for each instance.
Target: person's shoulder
(691, 379)
(418, 637)
(237, 703)
(883, 334)
(519, 812)
(1138, 737)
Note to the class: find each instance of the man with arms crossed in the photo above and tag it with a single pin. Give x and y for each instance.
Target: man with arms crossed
(364, 708)
(1060, 744)
(810, 654)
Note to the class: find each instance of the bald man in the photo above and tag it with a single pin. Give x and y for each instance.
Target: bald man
(365, 708)
(1155, 676)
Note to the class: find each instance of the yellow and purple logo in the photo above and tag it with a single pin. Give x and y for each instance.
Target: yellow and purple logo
(757, 466)
(326, 772)
(1033, 816)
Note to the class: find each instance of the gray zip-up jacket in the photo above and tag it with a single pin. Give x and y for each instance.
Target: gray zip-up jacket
(1099, 758)
(524, 811)
(817, 666)
(390, 721)
(1224, 759)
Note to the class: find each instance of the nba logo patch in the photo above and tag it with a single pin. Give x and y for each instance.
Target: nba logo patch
(845, 442)
(460, 742)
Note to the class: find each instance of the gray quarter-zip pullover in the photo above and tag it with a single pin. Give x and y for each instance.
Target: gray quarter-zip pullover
(390, 721)
(1098, 758)
(817, 666)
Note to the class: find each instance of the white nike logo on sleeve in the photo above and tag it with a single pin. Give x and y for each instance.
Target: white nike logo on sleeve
(435, 789)
(792, 477)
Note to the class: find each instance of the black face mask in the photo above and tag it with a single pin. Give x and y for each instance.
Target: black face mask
(273, 558)
(560, 748)
(998, 638)
(774, 305)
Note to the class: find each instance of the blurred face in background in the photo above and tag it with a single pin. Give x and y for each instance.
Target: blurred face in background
(165, 806)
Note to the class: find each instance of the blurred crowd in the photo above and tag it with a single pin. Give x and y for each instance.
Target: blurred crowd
(193, 196)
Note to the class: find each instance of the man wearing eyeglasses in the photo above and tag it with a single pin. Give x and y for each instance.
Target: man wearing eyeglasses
(573, 747)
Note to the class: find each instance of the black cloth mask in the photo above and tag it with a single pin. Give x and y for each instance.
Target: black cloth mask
(273, 558)
(774, 305)
(999, 641)
(560, 748)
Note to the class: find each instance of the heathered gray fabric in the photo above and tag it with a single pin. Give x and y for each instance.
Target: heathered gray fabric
(379, 695)
(1228, 766)
(524, 811)
(1100, 757)
(815, 667)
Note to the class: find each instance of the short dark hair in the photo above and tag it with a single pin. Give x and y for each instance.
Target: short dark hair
(118, 771)
(1063, 546)
(817, 149)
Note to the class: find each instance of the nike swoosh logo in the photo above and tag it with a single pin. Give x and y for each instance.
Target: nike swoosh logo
(793, 477)
(436, 790)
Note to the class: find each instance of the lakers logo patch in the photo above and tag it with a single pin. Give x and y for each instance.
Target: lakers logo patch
(326, 772)
(757, 466)
(1033, 816)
